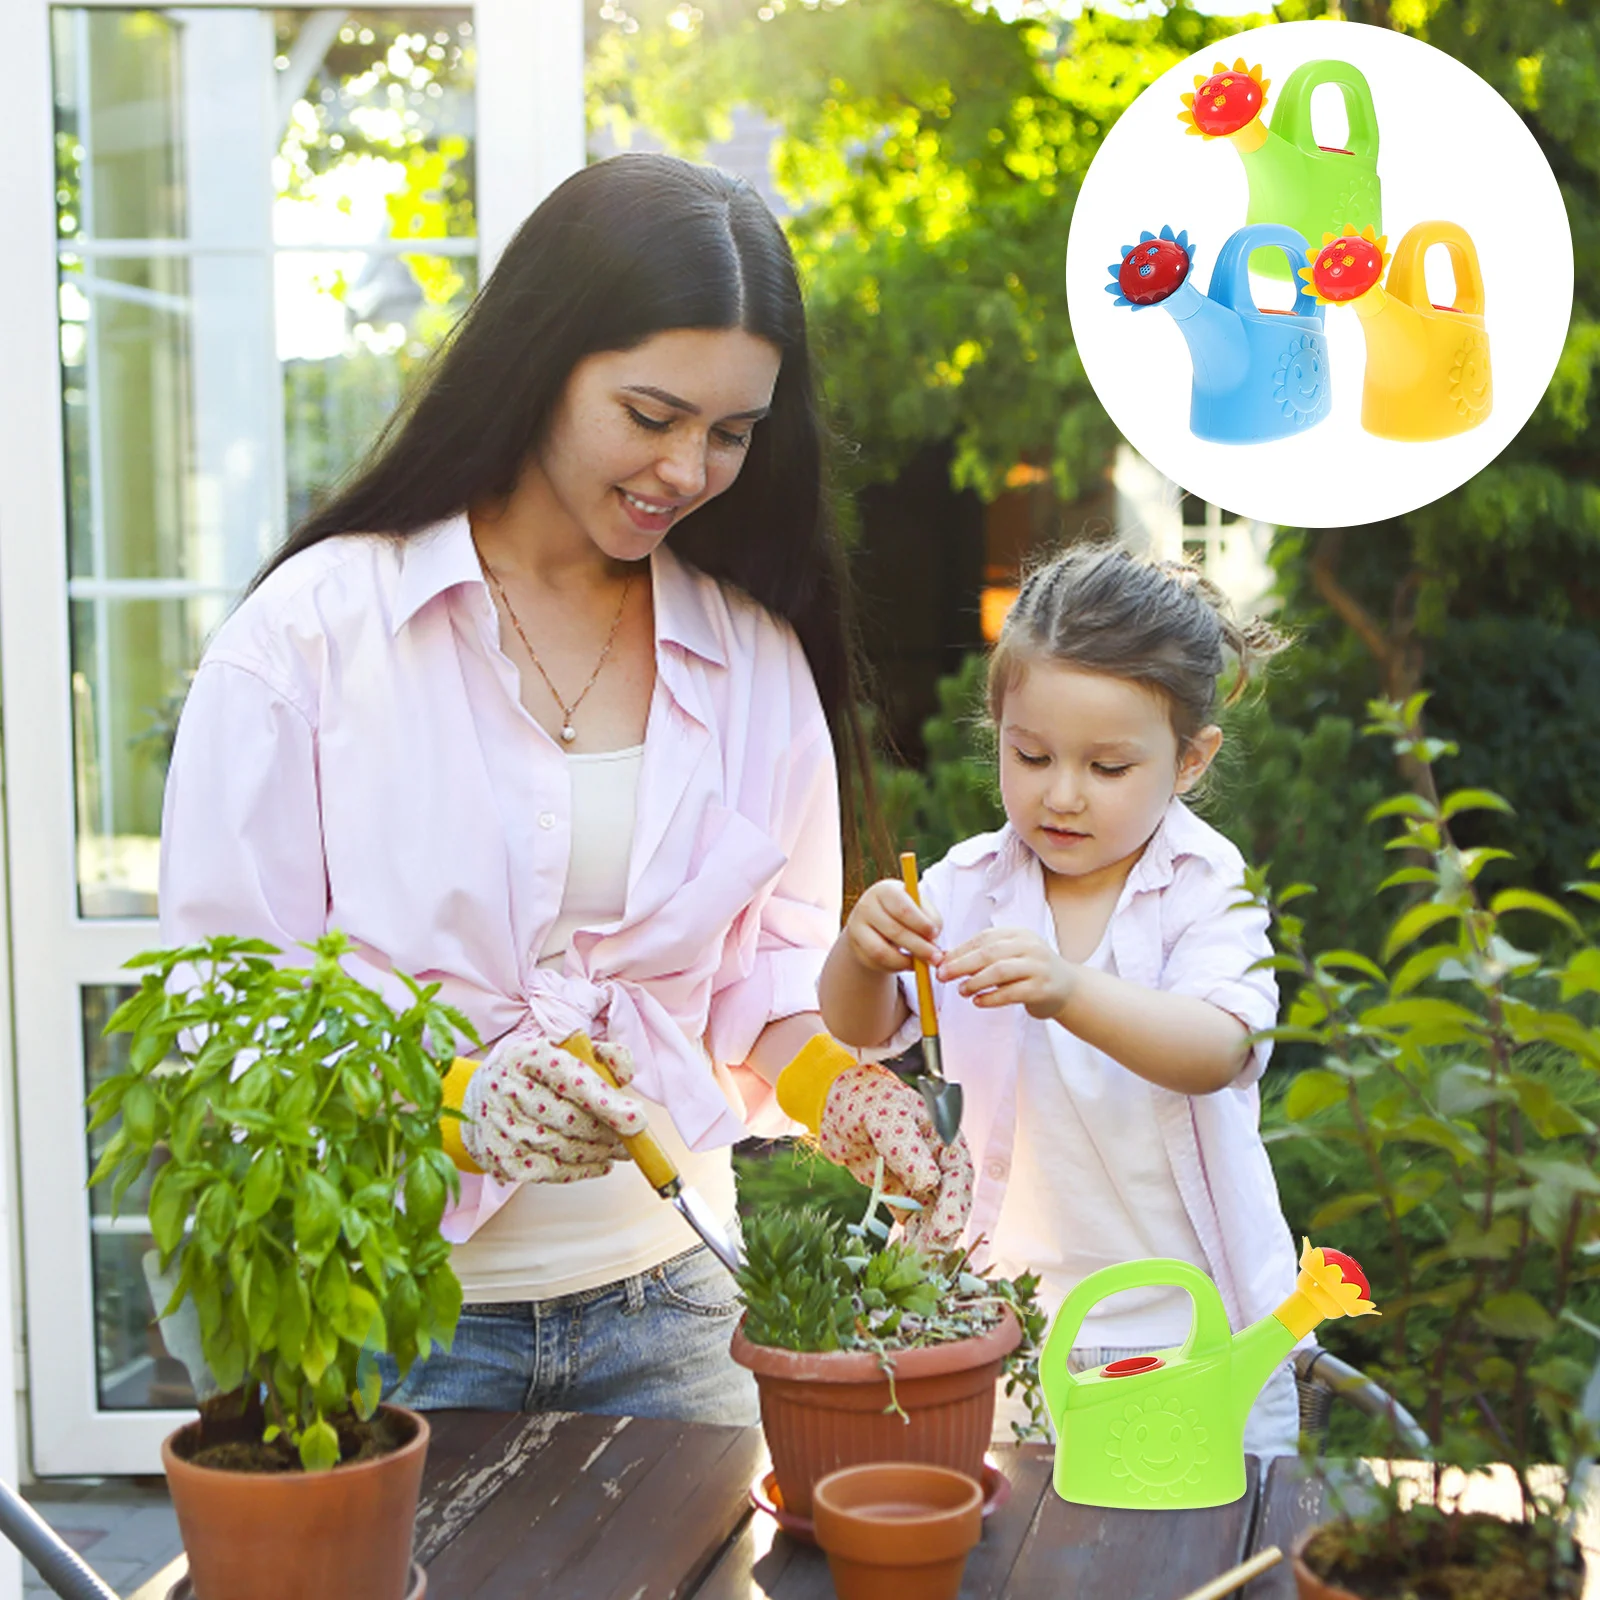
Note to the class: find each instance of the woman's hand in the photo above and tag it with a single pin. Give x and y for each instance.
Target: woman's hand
(1007, 967)
(535, 1114)
(887, 928)
(870, 1114)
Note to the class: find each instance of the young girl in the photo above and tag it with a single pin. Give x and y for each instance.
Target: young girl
(1095, 969)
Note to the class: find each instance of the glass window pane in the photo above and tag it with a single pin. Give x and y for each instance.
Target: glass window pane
(133, 1370)
(266, 220)
(352, 331)
(378, 131)
(131, 664)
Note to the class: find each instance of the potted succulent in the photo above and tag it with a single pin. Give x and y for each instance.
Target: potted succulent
(1456, 1090)
(865, 1348)
(292, 1121)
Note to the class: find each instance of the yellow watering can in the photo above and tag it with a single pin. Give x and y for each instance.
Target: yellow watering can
(1167, 1430)
(1428, 373)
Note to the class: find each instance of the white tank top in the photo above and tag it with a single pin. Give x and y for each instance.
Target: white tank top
(556, 1239)
(1091, 1185)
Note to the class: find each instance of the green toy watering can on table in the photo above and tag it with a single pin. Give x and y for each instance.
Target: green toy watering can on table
(1314, 189)
(1167, 1430)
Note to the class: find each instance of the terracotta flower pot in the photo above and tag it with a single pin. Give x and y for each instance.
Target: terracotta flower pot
(897, 1530)
(822, 1410)
(339, 1535)
(1307, 1584)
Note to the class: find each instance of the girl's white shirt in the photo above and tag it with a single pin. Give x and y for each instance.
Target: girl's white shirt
(1178, 926)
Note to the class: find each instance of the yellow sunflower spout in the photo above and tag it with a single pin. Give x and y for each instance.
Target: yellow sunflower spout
(1330, 1285)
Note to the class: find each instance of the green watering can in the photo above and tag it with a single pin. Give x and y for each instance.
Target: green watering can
(1314, 189)
(1167, 1430)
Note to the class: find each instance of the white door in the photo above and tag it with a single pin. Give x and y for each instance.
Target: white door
(233, 232)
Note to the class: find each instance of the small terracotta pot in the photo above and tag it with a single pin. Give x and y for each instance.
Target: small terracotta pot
(897, 1530)
(338, 1535)
(822, 1410)
(1307, 1583)
(184, 1590)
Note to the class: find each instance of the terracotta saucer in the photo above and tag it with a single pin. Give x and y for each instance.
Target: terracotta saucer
(766, 1496)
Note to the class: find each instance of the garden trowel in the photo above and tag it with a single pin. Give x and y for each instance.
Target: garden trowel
(942, 1097)
(657, 1166)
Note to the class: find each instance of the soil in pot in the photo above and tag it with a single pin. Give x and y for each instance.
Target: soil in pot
(897, 1530)
(263, 1534)
(1463, 1557)
(830, 1409)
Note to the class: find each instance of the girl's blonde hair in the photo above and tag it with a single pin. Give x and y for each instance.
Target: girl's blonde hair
(1161, 624)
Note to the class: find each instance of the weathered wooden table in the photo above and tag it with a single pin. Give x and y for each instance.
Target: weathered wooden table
(608, 1508)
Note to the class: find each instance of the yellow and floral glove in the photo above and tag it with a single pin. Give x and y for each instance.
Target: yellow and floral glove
(533, 1113)
(861, 1113)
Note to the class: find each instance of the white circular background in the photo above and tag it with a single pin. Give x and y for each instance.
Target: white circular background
(1449, 148)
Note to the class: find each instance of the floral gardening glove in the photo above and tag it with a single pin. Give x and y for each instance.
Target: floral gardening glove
(532, 1113)
(869, 1113)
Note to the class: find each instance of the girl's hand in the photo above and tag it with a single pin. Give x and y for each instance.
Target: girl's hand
(887, 928)
(870, 1115)
(535, 1114)
(1007, 967)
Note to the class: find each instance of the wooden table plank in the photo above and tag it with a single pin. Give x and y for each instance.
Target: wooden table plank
(1152, 1555)
(464, 1482)
(1290, 1503)
(649, 1505)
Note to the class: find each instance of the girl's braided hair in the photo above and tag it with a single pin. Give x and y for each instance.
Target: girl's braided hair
(1160, 624)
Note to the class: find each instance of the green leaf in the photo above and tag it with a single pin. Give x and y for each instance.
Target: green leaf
(316, 1216)
(1416, 921)
(1465, 1087)
(139, 1111)
(1404, 805)
(333, 1287)
(262, 1184)
(319, 1447)
(1349, 960)
(1421, 965)
(1540, 904)
(1581, 975)
(441, 1299)
(294, 1317)
(1342, 1209)
(1473, 800)
(361, 1319)
(1314, 1089)
(216, 1214)
(1515, 1315)
(1429, 1021)
(425, 1195)
(168, 1208)
(1474, 861)
(321, 1348)
(1406, 875)
(261, 1300)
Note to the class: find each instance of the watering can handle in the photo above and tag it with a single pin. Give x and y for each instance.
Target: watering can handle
(1230, 277)
(1209, 1335)
(1292, 119)
(1409, 282)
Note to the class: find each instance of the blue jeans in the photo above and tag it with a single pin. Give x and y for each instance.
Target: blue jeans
(653, 1345)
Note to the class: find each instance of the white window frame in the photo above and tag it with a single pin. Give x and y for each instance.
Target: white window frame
(530, 134)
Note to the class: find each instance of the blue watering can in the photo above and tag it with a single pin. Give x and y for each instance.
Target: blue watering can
(1258, 375)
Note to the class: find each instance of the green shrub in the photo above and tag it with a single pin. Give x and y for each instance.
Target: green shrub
(1450, 1096)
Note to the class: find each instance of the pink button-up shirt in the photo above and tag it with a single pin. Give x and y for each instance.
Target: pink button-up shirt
(1178, 927)
(354, 754)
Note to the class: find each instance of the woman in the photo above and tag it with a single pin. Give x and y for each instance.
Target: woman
(549, 705)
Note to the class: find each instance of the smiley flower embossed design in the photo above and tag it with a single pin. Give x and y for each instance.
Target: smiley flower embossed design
(1469, 376)
(1161, 1445)
(1300, 385)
